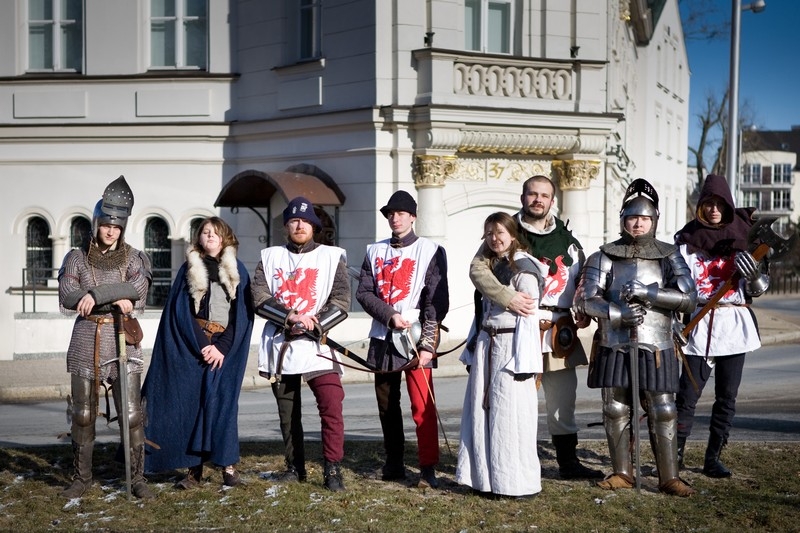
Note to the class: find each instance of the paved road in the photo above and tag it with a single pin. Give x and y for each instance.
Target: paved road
(768, 409)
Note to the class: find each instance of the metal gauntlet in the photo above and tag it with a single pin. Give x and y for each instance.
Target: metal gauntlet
(757, 286)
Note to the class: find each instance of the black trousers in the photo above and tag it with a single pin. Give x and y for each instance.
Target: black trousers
(727, 379)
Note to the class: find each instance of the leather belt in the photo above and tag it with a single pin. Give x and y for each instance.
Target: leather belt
(103, 319)
(493, 331)
(210, 327)
(555, 309)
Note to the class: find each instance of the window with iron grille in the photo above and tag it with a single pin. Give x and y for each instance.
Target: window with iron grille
(55, 35)
(159, 247)
(39, 260)
(80, 232)
(179, 34)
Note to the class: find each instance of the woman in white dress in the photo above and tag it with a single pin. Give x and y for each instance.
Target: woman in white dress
(497, 455)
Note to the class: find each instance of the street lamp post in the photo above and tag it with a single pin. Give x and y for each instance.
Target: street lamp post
(732, 163)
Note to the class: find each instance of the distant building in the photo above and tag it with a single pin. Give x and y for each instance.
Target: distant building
(769, 175)
(344, 101)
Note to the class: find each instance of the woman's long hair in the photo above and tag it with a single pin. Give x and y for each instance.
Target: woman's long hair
(222, 228)
(507, 221)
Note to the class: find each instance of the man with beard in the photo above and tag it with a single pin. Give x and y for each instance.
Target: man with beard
(634, 286)
(551, 242)
(302, 289)
(107, 276)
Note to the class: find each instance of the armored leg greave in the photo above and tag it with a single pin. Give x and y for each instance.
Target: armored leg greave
(83, 410)
(616, 419)
(133, 410)
(662, 421)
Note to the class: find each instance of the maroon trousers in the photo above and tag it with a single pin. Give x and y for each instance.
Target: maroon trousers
(329, 394)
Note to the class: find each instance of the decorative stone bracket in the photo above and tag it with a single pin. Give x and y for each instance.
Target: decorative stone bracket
(433, 170)
(575, 174)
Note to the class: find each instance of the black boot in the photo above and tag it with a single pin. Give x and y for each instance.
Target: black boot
(333, 476)
(681, 448)
(569, 467)
(82, 474)
(712, 466)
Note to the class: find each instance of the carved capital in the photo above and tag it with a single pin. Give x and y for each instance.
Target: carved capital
(575, 174)
(433, 170)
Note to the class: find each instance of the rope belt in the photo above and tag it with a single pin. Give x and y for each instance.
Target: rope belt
(210, 327)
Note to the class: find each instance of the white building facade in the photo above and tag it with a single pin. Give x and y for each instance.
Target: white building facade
(455, 101)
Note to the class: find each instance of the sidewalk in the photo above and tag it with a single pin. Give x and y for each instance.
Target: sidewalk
(47, 379)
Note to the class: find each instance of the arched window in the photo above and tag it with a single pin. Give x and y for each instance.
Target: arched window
(80, 232)
(193, 227)
(39, 246)
(158, 246)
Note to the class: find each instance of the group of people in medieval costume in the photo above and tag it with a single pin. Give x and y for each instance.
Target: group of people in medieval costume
(534, 289)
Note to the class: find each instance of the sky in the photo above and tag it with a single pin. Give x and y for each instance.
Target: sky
(769, 65)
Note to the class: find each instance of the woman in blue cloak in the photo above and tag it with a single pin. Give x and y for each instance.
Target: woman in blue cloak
(192, 386)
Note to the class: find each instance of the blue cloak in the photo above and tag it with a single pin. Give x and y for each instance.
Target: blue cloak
(191, 411)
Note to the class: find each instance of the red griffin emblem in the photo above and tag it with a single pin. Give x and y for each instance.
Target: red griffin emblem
(712, 275)
(393, 278)
(298, 289)
(556, 282)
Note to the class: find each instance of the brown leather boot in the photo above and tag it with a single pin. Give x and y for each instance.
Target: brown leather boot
(192, 479)
(139, 486)
(82, 475)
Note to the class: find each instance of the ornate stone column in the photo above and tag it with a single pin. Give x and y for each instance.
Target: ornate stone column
(430, 173)
(574, 177)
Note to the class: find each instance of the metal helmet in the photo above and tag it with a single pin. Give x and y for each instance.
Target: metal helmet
(641, 199)
(115, 207)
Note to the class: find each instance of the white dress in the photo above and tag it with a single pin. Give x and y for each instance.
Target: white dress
(497, 453)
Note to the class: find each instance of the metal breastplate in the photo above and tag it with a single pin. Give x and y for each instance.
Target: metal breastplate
(656, 330)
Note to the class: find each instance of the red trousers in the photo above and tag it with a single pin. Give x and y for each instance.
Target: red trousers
(419, 384)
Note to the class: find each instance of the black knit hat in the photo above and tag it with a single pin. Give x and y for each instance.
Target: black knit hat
(400, 201)
(302, 208)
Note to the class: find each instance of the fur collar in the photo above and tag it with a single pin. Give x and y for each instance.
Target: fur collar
(197, 274)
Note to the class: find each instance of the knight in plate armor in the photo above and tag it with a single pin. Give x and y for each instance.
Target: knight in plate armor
(634, 287)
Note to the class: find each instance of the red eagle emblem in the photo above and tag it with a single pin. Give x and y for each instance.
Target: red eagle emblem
(297, 289)
(556, 282)
(713, 274)
(393, 278)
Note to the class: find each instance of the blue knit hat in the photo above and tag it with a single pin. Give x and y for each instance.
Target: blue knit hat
(301, 207)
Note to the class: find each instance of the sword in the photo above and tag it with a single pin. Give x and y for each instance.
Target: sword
(634, 353)
(124, 396)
